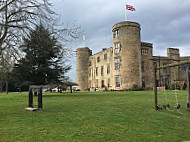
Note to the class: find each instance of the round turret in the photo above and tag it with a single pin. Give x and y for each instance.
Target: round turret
(82, 60)
(127, 37)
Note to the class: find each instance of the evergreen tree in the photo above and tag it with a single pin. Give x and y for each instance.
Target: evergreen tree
(44, 59)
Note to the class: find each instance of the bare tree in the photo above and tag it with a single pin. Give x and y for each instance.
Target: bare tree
(18, 18)
(6, 66)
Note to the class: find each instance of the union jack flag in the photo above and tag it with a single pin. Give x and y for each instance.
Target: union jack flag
(84, 38)
(131, 8)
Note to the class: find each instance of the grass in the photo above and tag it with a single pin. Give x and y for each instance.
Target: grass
(94, 116)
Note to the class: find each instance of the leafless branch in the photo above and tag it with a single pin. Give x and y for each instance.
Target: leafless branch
(19, 17)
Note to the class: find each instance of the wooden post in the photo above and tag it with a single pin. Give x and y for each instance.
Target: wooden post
(155, 90)
(159, 83)
(40, 98)
(30, 103)
(188, 81)
(38, 90)
(188, 88)
(71, 89)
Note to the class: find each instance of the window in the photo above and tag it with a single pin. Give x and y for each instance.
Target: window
(116, 34)
(117, 48)
(90, 72)
(165, 70)
(184, 67)
(154, 64)
(89, 63)
(143, 82)
(98, 59)
(108, 69)
(105, 57)
(102, 70)
(102, 83)
(117, 64)
(142, 66)
(108, 82)
(144, 51)
(96, 83)
(111, 52)
(96, 71)
(89, 84)
(117, 81)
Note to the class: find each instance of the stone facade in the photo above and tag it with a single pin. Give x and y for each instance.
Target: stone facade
(126, 65)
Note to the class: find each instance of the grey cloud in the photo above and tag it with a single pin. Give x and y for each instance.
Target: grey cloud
(165, 23)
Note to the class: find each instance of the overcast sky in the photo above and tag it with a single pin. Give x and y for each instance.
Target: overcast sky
(165, 23)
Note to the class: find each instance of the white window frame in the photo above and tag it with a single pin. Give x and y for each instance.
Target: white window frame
(116, 34)
(117, 64)
(96, 71)
(102, 70)
(144, 51)
(117, 81)
(108, 69)
(105, 57)
(117, 48)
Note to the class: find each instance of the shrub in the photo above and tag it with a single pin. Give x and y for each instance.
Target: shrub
(184, 87)
(167, 86)
(135, 88)
(174, 86)
(106, 88)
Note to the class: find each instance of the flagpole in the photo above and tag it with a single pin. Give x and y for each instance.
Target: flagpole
(125, 13)
(84, 40)
(84, 43)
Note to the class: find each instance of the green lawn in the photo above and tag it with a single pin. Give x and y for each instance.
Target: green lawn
(94, 116)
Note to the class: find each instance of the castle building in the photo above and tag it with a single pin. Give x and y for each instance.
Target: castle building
(126, 65)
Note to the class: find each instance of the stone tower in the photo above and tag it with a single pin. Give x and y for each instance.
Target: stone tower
(130, 44)
(82, 72)
(173, 54)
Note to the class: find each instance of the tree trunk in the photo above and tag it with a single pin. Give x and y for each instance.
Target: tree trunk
(7, 87)
(20, 89)
(1, 86)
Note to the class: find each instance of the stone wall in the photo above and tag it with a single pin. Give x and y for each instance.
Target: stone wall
(134, 65)
(101, 62)
(146, 65)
